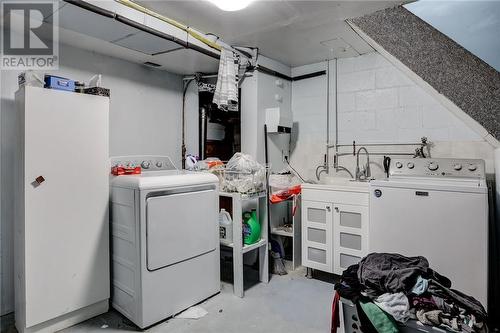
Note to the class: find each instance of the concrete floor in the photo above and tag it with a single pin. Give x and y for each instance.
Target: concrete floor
(289, 303)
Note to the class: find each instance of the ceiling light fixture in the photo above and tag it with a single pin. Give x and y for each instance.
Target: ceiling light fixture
(231, 5)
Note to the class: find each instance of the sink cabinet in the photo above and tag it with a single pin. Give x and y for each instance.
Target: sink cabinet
(335, 225)
(317, 234)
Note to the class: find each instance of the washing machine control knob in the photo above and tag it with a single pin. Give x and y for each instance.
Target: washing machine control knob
(145, 164)
(472, 167)
(410, 165)
(159, 164)
(399, 165)
(457, 167)
(433, 166)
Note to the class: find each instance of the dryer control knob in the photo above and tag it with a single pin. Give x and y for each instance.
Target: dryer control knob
(145, 164)
(472, 167)
(399, 165)
(410, 165)
(433, 166)
(457, 167)
(159, 164)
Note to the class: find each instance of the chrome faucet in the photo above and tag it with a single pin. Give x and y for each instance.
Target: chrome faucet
(364, 173)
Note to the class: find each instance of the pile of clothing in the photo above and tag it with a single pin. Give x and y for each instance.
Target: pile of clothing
(388, 289)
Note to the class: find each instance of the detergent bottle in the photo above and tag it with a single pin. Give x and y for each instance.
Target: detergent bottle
(251, 228)
(225, 226)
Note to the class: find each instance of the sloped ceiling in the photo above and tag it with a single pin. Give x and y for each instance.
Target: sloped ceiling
(287, 31)
(463, 78)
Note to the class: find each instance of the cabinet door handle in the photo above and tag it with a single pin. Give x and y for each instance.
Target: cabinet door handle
(328, 209)
(337, 209)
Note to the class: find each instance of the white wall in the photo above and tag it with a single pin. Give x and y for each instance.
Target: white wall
(377, 103)
(309, 108)
(257, 94)
(145, 118)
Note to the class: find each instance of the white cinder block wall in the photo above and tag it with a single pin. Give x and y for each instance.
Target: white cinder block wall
(377, 103)
(309, 104)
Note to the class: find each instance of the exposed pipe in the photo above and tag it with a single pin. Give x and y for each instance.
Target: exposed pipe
(207, 76)
(336, 162)
(423, 142)
(325, 167)
(170, 21)
(203, 132)
(327, 162)
(380, 154)
(341, 168)
(142, 27)
(183, 130)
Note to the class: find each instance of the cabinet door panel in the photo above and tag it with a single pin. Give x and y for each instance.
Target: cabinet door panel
(317, 219)
(66, 215)
(350, 235)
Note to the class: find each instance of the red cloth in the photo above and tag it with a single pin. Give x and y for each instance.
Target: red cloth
(335, 313)
(285, 194)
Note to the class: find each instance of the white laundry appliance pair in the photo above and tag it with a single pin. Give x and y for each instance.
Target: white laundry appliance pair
(165, 239)
(436, 208)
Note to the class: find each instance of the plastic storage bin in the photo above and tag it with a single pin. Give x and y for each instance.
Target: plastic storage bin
(352, 323)
(59, 83)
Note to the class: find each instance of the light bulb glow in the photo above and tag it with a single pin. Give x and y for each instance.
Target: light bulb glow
(231, 5)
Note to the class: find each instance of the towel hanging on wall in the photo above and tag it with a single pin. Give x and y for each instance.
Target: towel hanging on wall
(226, 90)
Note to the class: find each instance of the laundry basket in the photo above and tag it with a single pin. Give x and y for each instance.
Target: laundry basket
(352, 324)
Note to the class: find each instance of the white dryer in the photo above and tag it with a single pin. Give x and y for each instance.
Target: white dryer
(165, 240)
(436, 208)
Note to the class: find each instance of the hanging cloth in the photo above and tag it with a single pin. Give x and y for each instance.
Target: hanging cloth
(226, 90)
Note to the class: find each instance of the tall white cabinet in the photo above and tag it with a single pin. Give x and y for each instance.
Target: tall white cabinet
(335, 225)
(61, 221)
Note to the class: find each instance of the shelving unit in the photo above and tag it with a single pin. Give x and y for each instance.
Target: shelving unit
(294, 234)
(237, 200)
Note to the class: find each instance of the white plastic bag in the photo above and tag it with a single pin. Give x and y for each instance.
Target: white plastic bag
(243, 174)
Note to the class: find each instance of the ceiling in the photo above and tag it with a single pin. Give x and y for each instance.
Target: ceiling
(288, 31)
(84, 29)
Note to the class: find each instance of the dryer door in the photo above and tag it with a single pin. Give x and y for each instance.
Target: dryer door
(180, 227)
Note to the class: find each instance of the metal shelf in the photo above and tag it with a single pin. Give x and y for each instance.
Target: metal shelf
(294, 233)
(244, 196)
(281, 232)
(237, 245)
(246, 248)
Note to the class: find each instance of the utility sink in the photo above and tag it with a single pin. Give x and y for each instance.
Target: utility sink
(340, 183)
(343, 181)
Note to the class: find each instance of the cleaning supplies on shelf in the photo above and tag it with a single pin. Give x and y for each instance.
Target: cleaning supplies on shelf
(251, 228)
(225, 226)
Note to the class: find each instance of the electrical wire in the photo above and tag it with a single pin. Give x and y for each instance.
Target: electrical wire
(294, 171)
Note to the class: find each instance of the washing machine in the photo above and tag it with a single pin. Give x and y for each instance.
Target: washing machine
(165, 239)
(436, 208)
